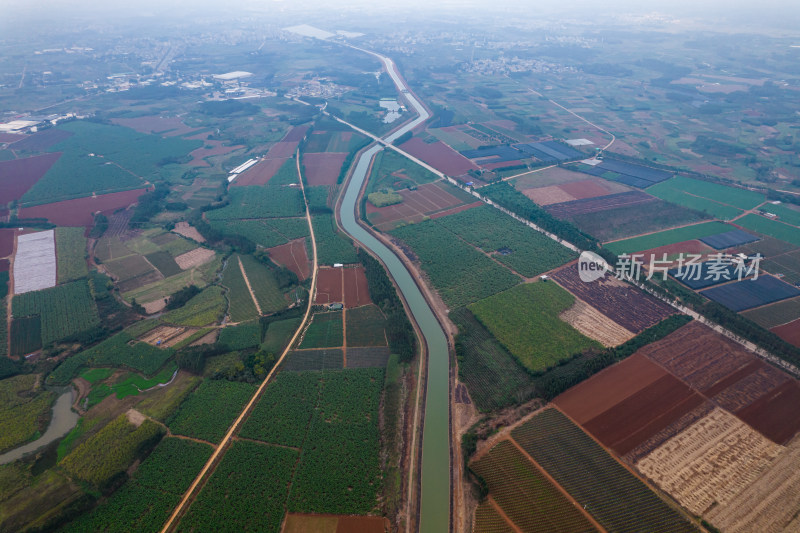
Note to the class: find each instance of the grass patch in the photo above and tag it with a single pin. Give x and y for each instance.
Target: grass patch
(525, 320)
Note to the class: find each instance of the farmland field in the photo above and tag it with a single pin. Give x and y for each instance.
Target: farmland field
(260, 202)
(342, 448)
(325, 331)
(488, 520)
(322, 168)
(750, 293)
(459, 272)
(670, 236)
(624, 304)
(315, 359)
(164, 263)
(773, 228)
(294, 256)
(19, 175)
(525, 250)
(332, 246)
(21, 409)
(439, 156)
(265, 232)
(525, 320)
(528, 498)
(718, 200)
(283, 413)
(65, 310)
(203, 309)
(429, 199)
(709, 462)
(241, 305)
(278, 335)
(109, 451)
(366, 326)
(70, 254)
(265, 286)
(785, 213)
(616, 498)
(594, 324)
(242, 336)
(226, 501)
(194, 417)
(80, 211)
(494, 377)
(35, 262)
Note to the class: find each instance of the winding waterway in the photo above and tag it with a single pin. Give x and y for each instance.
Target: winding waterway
(62, 421)
(435, 499)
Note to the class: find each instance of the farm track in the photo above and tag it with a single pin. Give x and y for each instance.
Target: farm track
(249, 287)
(208, 469)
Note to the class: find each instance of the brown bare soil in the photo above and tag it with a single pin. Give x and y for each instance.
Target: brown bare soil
(711, 461)
(155, 306)
(777, 413)
(168, 335)
(439, 156)
(427, 200)
(194, 258)
(552, 194)
(356, 291)
(208, 338)
(768, 504)
(135, 417)
(329, 286)
(293, 255)
(260, 173)
(789, 332)
(190, 232)
(80, 211)
(595, 324)
(608, 388)
(589, 188)
(323, 168)
(625, 304)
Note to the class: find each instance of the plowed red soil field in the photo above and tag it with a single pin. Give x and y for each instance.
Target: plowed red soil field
(439, 156)
(260, 173)
(6, 242)
(775, 415)
(329, 286)
(323, 168)
(41, 141)
(11, 137)
(628, 403)
(296, 134)
(5, 265)
(19, 175)
(623, 303)
(356, 291)
(789, 332)
(293, 256)
(585, 189)
(80, 211)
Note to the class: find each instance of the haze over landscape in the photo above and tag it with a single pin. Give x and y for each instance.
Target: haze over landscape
(462, 266)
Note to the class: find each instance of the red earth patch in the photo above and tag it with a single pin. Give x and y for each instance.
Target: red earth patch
(19, 175)
(42, 140)
(260, 173)
(439, 156)
(789, 332)
(6, 242)
(293, 256)
(584, 189)
(323, 168)
(80, 211)
(199, 155)
(329, 286)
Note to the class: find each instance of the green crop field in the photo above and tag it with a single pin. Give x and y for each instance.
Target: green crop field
(278, 335)
(241, 307)
(228, 502)
(525, 320)
(265, 286)
(325, 331)
(205, 308)
(132, 156)
(21, 409)
(494, 378)
(265, 232)
(121, 350)
(773, 228)
(284, 411)
(144, 502)
(528, 498)
(785, 213)
(531, 252)
(670, 236)
(273, 200)
(392, 170)
(71, 254)
(716, 200)
(164, 262)
(366, 326)
(460, 273)
(109, 451)
(209, 411)
(339, 470)
(241, 337)
(96, 375)
(617, 499)
(65, 310)
(26, 335)
(314, 359)
(775, 314)
(332, 246)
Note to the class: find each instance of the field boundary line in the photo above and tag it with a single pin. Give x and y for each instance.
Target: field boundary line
(249, 287)
(561, 489)
(216, 457)
(503, 515)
